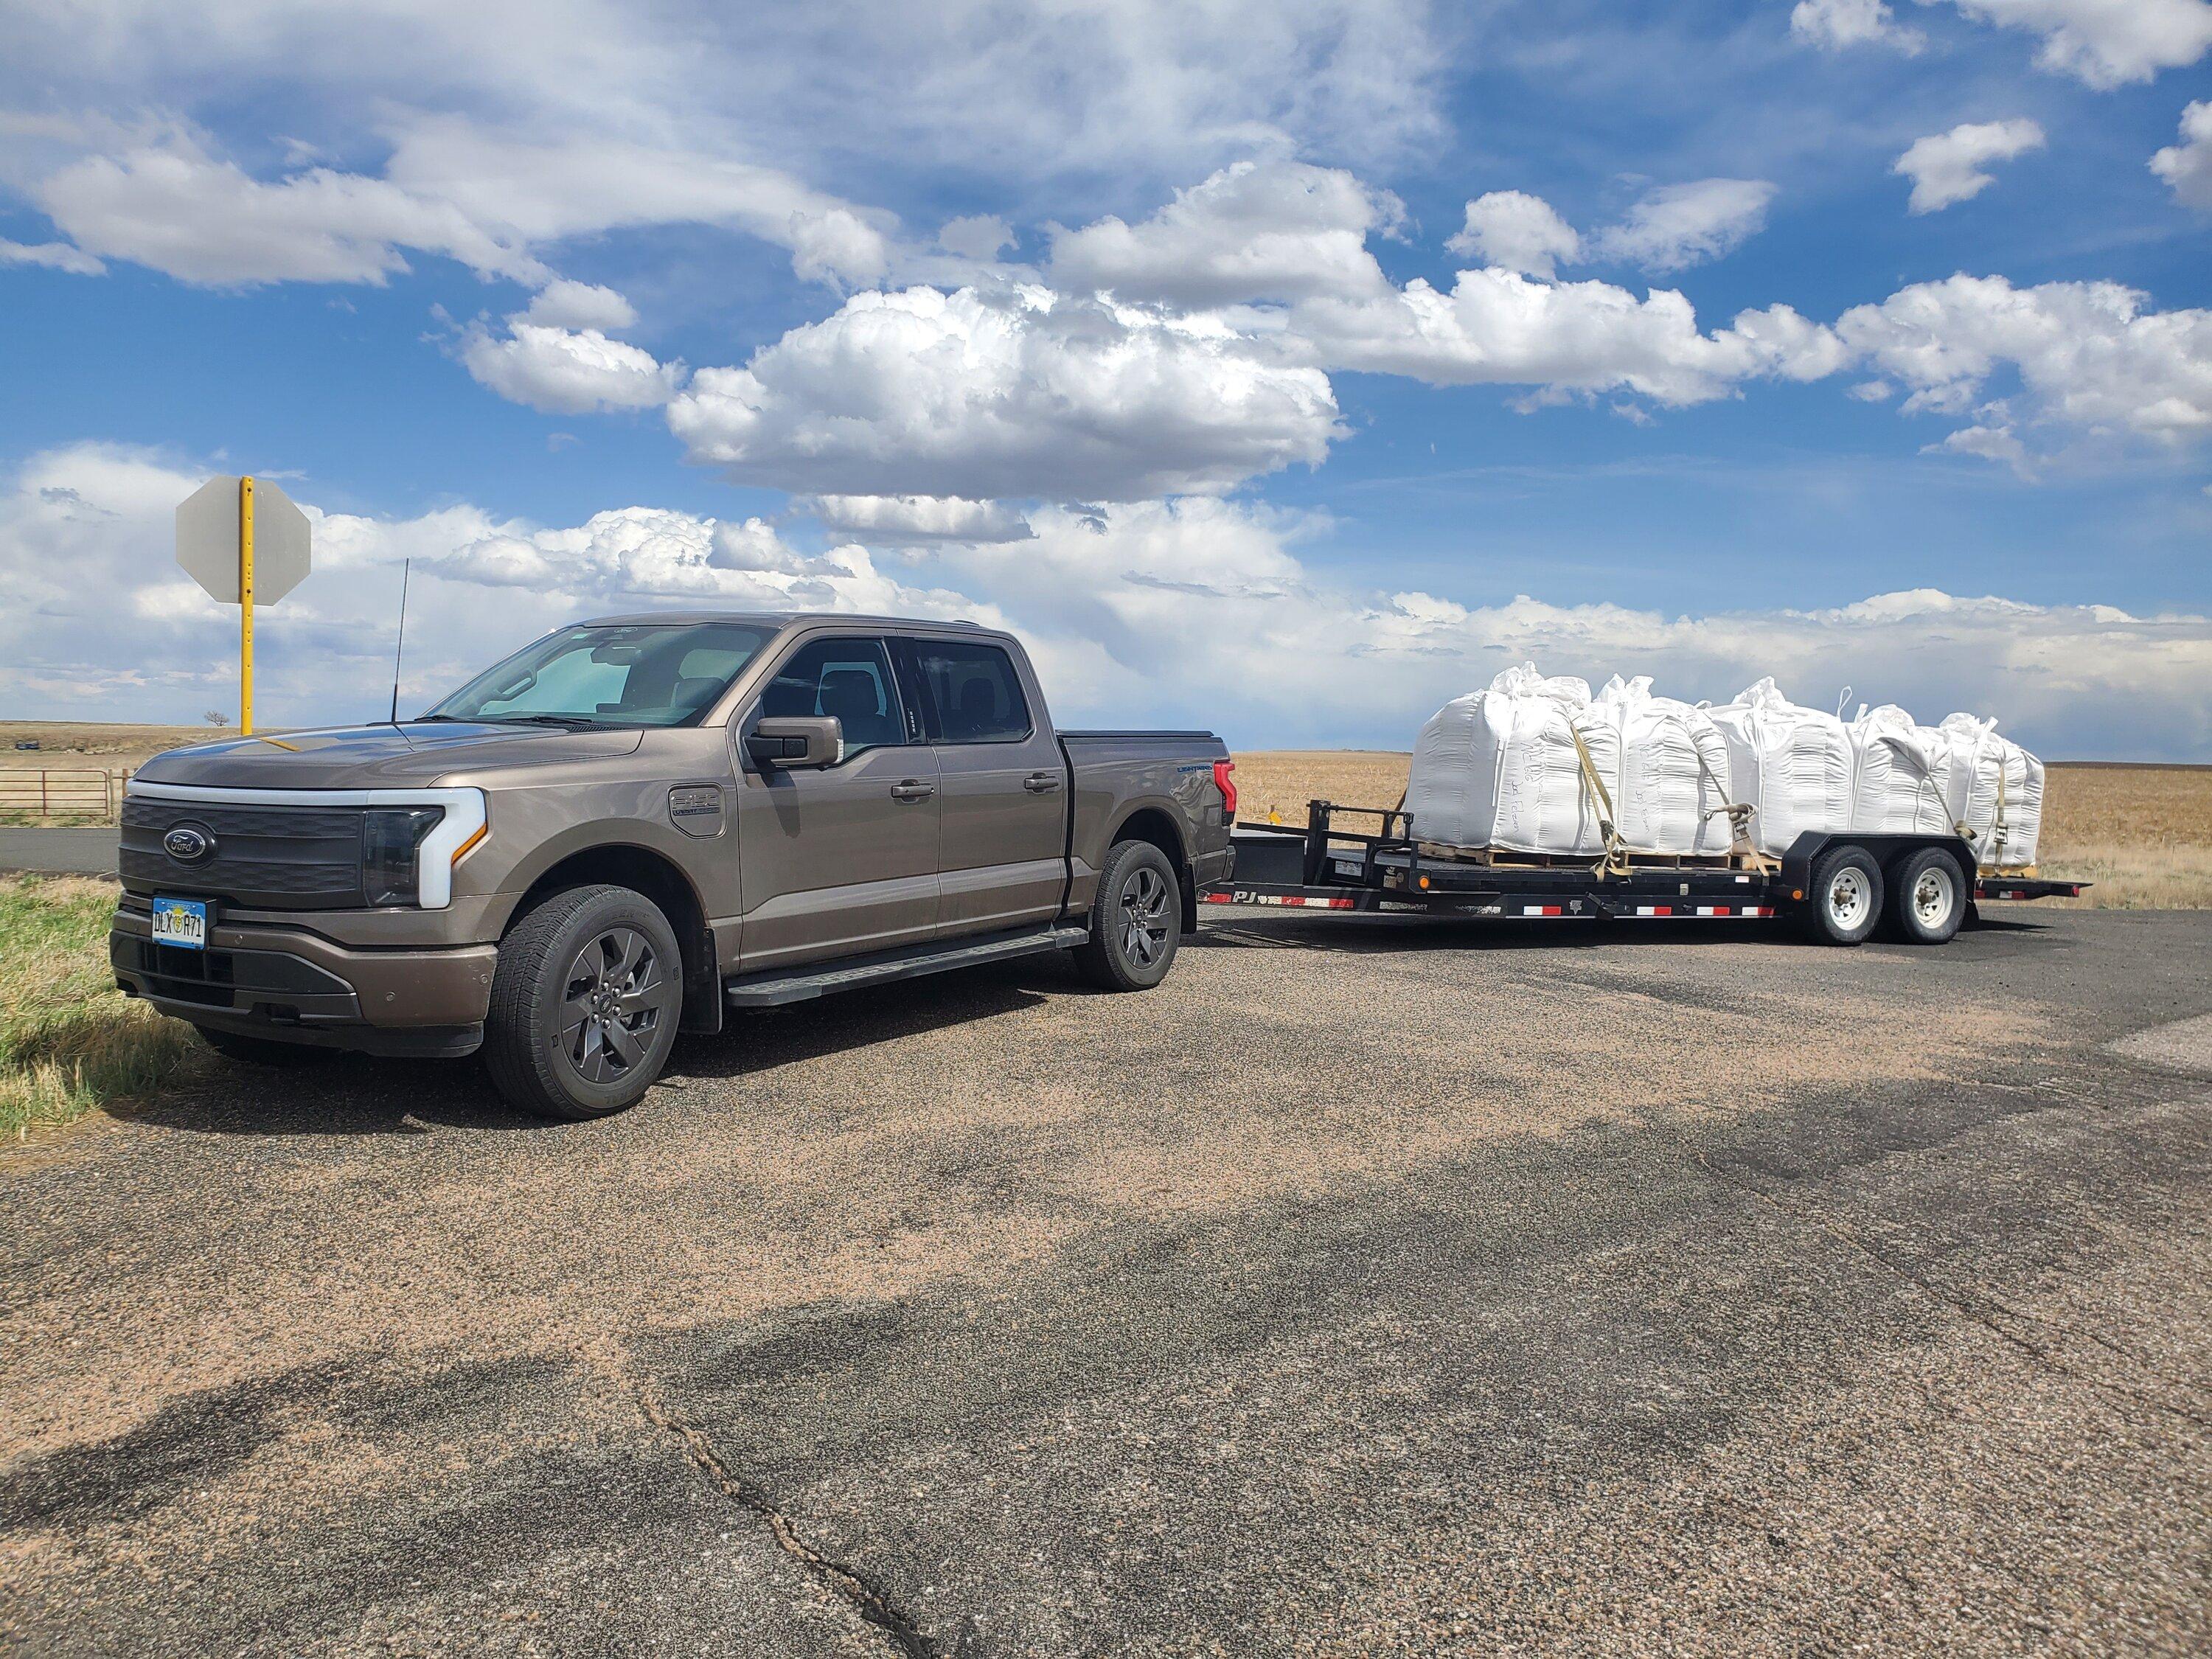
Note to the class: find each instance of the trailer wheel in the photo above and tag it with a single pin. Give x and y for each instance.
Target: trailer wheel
(1136, 920)
(1927, 898)
(1845, 901)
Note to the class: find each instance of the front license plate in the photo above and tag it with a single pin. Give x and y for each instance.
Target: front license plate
(180, 921)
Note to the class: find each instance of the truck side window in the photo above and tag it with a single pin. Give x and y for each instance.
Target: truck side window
(849, 679)
(978, 694)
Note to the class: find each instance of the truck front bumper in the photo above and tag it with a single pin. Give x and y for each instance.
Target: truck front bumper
(291, 986)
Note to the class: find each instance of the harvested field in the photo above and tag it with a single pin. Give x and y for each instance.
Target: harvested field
(2142, 834)
(93, 743)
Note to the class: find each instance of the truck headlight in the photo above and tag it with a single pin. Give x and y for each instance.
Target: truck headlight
(391, 842)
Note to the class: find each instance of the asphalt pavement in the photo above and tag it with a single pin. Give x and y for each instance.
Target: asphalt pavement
(1374, 1285)
(58, 852)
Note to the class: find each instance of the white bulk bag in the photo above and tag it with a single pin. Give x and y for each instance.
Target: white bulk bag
(1895, 789)
(2001, 801)
(1499, 768)
(1668, 793)
(1792, 764)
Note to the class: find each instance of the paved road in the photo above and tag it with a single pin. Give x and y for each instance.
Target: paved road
(58, 852)
(1373, 1287)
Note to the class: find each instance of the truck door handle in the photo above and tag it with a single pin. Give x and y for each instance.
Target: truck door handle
(912, 789)
(1041, 783)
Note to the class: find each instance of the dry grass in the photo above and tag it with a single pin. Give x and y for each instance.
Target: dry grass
(2142, 833)
(93, 744)
(70, 1041)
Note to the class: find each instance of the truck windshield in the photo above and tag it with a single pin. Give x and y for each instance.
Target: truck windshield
(634, 674)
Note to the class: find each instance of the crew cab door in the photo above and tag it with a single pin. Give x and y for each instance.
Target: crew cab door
(840, 860)
(1000, 859)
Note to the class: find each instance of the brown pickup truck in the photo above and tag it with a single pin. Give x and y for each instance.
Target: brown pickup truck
(636, 824)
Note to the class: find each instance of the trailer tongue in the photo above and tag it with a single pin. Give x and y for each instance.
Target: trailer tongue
(1843, 886)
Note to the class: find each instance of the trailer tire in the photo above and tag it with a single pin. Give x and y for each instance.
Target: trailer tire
(585, 1002)
(1927, 898)
(1136, 919)
(1845, 901)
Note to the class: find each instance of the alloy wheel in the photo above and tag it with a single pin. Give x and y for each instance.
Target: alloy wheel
(613, 998)
(1143, 916)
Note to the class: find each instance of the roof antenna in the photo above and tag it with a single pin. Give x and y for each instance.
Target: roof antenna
(405, 567)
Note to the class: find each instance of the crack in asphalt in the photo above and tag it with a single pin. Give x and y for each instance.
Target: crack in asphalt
(865, 1597)
(1960, 1305)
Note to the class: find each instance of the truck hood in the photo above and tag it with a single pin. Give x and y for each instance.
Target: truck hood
(410, 755)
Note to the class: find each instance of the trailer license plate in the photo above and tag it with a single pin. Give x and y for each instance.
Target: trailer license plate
(181, 922)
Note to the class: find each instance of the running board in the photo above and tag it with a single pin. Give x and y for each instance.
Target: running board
(773, 990)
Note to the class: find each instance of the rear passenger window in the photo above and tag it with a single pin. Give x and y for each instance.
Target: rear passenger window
(978, 694)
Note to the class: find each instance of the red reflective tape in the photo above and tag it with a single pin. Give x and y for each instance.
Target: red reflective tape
(1539, 909)
(1221, 898)
(1343, 904)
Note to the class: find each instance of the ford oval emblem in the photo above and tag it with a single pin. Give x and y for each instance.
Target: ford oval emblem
(188, 843)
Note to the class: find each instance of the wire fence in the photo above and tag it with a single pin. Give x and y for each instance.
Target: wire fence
(79, 795)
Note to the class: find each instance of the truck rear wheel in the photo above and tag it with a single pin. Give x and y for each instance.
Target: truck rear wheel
(585, 1003)
(1136, 919)
(1844, 900)
(1927, 898)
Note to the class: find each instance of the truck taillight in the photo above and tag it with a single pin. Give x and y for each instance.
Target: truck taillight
(1224, 783)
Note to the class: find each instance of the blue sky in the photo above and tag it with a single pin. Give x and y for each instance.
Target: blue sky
(1285, 368)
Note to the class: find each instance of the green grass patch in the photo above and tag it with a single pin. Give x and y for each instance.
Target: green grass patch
(70, 1041)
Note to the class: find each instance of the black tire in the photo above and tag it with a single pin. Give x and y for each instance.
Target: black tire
(585, 1003)
(262, 1051)
(1136, 919)
(1927, 897)
(1845, 901)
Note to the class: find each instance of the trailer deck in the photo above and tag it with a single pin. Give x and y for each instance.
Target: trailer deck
(1328, 865)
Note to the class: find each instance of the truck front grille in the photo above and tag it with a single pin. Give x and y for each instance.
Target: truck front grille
(265, 858)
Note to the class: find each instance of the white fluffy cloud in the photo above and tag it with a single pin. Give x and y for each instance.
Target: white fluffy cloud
(1197, 611)
(2187, 166)
(905, 520)
(201, 220)
(1498, 326)
(2088, 354)
(54, 256)
(1270, 230)
(1946, 167)
(1020, 394)
(1680, 225)
(565, 304)
(2104, 43)
(1833, 24)
(1515, 231)
(567, 371)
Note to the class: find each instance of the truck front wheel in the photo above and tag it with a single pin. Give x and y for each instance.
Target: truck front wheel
(1136, 919)
(585, 1003)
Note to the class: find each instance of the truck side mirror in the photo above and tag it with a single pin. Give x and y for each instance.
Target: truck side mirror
(796, 742)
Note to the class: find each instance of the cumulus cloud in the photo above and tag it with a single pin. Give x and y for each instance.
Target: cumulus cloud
(975, 236)
(988, 395)
(567, 371)
(1498, 326)
(1946, 167)
(565, 304)
(2088, 354)
(452, 188)
(910, 518)
(2104, 43)
(1680, 225)
(54, 256)
(201, 220)
(1192, 611)
(1515, 231)
(1201, 609)
(2187, 166)
(1833, 24)
(1256, 230)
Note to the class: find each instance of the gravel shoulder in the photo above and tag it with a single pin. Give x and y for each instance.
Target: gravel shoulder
(1377, 1285)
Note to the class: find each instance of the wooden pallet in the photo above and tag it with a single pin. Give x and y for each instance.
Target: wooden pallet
(1506, 859)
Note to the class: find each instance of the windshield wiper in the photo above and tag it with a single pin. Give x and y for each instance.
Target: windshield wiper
(571, 722)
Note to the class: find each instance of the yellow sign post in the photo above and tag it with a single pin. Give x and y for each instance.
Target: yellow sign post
(246, 605)
(243, 541)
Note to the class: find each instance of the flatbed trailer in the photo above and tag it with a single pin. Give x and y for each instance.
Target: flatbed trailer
(1842, 887)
